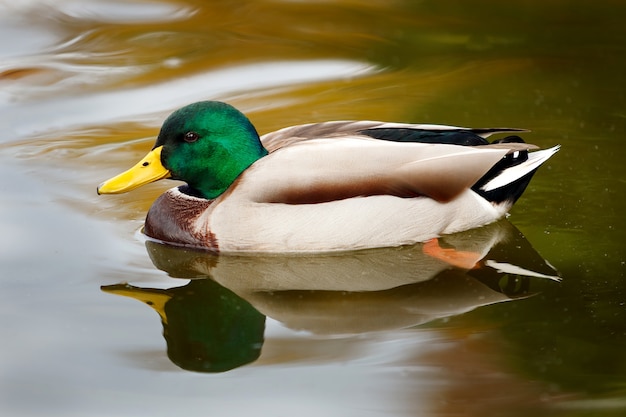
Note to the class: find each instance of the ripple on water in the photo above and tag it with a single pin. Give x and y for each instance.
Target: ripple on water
(132, 104)
(102, 11)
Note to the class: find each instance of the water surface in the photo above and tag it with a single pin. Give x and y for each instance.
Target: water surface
(96, 321)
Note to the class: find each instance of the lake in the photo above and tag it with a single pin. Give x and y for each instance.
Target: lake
(98, 321)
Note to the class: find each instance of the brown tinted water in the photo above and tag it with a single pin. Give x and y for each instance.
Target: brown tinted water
(84, 87)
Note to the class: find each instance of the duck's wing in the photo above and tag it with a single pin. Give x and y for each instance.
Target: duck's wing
(395, 132)
(324, 170)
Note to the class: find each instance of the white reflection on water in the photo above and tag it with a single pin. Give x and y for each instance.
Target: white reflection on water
(26, 118)
(38, 42)
(103, 11)
(31, 26)
(58, 91)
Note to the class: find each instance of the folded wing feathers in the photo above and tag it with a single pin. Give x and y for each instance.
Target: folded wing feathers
(324, 170)
(440, 172)
(444, 177)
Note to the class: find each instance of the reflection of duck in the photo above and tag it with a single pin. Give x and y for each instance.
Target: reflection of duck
(207, 328)
(352, 292)
(324, 187)
(374, 289)
(495, 249)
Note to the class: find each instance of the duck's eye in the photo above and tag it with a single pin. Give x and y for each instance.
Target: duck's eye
(191, 137)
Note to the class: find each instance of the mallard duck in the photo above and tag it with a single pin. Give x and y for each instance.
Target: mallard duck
(333, 186)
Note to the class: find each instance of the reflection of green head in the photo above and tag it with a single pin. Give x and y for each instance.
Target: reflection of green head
(210, 329)
(206, 326)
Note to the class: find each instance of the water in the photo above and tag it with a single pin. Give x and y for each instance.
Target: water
(84, 87)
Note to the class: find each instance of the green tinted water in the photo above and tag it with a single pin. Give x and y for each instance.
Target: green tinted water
(84, 87)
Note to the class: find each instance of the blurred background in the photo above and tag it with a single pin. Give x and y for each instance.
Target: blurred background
(84, 87)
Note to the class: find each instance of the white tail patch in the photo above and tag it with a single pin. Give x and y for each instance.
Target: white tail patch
(535, 159)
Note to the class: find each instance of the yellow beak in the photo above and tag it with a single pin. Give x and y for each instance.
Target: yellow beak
(148, 170)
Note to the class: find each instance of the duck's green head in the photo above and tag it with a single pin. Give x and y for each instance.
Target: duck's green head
(206, 144)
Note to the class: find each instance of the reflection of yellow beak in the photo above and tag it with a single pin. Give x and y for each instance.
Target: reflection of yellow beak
(147, 170)
(155, 298)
